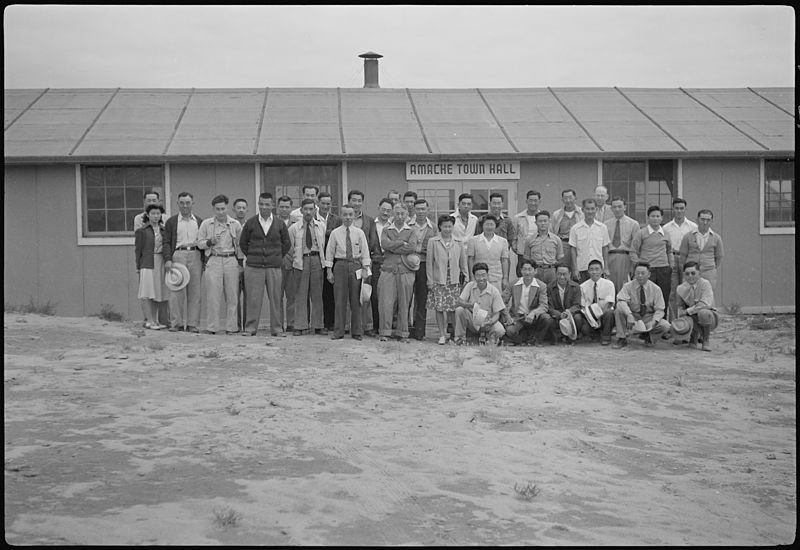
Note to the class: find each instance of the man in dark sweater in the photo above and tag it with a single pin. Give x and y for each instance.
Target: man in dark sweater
(265, 241)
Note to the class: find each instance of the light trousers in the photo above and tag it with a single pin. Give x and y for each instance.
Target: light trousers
(222, 275)
(184, 304)
(394, 293)
(309, 283)
(347, 292)
(619, 266)
(256, 279)
(289, 290)
(464, 323)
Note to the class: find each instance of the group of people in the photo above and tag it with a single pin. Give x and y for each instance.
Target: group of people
(581, 272)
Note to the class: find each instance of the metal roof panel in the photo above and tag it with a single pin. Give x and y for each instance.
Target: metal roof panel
(301, 121)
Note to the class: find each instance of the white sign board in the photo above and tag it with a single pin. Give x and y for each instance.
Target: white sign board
(463, 170)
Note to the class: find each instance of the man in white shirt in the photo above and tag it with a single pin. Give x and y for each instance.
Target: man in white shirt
(528, 322)
(466, 222)
(180, 245)
(588, 240)
(604, 212)
(597, 290)
(479, 294)
(675, 229)
(621, 229)
(309, 192)
(308, 249)
(383, 220)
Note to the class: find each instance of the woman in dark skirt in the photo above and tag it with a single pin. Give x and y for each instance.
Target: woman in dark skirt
(446, 261)
(150, 264)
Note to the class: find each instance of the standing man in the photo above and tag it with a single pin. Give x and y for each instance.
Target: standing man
(424, 230)
(348, 262)
(151, 197)
(652, 246)
(505, 225)
(704, 246)
(181, 245)
(563, 220)
(265, 242)
(397, 279)
(289, 283)
(309, 192)
(479, 293)
(240, 215)
(588, 240)
(696, 300)
(564, 300)
(331, 221)
(544, 248)
(640, 300)
(308, 239)
(597, 290)
(675, 229)
(383, 220)
(528, 322)
(219, 237)
(604, 212)
(466, 222)
(409, 199)
(393, 196)
(355, 198)
(621, 229)
(525, 226)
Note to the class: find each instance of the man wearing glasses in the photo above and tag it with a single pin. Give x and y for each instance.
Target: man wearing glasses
(703, 246)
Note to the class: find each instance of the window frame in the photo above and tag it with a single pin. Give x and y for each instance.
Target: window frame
(339, 196)
(762, 198)
(116, 240)
(678, 182)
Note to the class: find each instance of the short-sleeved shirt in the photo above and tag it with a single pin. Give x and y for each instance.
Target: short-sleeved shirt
(489, 299)
(461, 231)
(605, 292)
(490, 252)
(588, 241)
(544, 250)
(676, 232)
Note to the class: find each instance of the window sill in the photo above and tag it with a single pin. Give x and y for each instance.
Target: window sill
(105, 241)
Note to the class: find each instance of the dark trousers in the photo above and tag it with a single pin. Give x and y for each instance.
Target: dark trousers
(522, 332)
(420, 302)
(606, 324)
(662, 276)
(347, 290)
(376, 275)
(241, 308)
(328, 304)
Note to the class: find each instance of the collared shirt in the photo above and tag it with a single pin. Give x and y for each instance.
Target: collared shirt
(138, 221)
(505, 228)
(627, 229)
(488, 299)
(524, 297)
(424, 233)
(492, 252)
(562, 221)
(700, 294)
(380, 226)
(462, 231)
(337, 246)
(702, 239)
(227, 234)
(315, 246)
(561, 291)
(676, 232)
(588, 241)
(187, 230)
(296, 215)
(604, 213)
(653, 298)
(265, 223)
(544, 249)
(651, 246)
(605, 292)
(359, 221)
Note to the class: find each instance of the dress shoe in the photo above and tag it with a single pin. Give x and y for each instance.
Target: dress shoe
(208, 332)
(370, 333)
(322, 331)
(248, 333)
(289, 328)
(192, 329)
(175, 329)
(357, 337)
(334, 337)
(620, 343)
(278, 334)
(605, 342)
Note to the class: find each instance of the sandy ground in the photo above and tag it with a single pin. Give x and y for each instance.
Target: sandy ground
(117, 436)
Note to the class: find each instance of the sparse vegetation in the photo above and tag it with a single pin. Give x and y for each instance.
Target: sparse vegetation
(210, 354)
(733, 308)
(226, 517)
(526, 491)
(48, 308)
(155, 345)
(108, 313)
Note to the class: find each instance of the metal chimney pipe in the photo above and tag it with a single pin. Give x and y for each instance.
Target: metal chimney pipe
(371, 69)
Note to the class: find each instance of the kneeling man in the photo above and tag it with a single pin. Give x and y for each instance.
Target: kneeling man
(696, 301)
(596, 293)
(640, 300)
(479, 294)
(529, 322)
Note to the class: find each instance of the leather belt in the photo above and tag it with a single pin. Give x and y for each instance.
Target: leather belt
(185, 248)
(564, 239)
(619, 252)
(312, 253)
(223, 254)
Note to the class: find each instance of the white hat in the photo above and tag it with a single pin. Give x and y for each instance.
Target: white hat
(412, 261)
(568, 328)
(366, 292)
(593, 314)
(639, 326)
(479, 316)
(176, 277)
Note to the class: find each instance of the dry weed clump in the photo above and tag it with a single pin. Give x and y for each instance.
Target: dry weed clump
(526, 491)
(226, 517)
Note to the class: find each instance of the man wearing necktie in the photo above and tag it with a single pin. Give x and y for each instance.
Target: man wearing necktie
(696, 300)
(640, 300)
(597, 290)
(348, 261)
(621, 227)
(308, 238)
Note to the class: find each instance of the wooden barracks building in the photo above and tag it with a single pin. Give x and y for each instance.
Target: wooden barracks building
(77, 162)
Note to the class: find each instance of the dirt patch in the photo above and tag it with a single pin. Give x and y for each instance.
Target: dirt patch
(114, 435)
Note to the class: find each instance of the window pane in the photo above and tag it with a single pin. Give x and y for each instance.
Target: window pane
(129, 215)
(96, 220)
(134, 176)
(116, 220)
(95, 198)
(94, 177)
(779, 201)
(115, 176)
(133, 196)
(115, 197)
(153, 177)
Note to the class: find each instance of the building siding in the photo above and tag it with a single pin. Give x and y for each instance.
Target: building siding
(550, 177)
(376, 179)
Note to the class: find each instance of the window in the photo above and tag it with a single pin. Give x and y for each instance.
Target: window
(440, 201)
(113, 196)
(642, 184)
(779, 194)
(289, 179)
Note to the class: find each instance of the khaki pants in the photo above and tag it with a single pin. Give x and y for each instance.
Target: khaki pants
(710, 275)
(222, 274)
(309, 283)
(464, 323)
(394, 292)
(289, 290)
(184, 305)
(255, 280)
(619, 266)
(347, 292)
